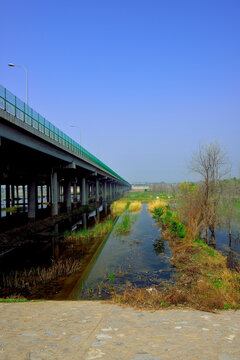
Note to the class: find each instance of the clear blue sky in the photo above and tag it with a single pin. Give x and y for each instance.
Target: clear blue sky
(144, 81)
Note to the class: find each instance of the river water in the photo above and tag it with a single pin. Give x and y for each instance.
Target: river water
(140, 258)
(230, 248)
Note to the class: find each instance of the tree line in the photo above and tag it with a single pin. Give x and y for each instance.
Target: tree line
(214, 199)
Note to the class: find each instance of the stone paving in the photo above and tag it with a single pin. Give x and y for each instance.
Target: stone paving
(90, 330)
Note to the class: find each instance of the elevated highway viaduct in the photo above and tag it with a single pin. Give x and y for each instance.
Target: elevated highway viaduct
(45, 165)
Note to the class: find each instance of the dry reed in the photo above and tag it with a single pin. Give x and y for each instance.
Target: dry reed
(203, 282)
(28, 278)
(135, 206)
(156, 204)
(118, 207)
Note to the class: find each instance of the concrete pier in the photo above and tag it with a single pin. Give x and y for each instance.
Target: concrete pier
(32, 200)
(84, 192)
(54, 192)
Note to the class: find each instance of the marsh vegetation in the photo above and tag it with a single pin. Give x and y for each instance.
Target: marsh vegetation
(128, 258)
(135, 206)
(189, 224)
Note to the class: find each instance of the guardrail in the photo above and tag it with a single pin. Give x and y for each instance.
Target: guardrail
(16, 107)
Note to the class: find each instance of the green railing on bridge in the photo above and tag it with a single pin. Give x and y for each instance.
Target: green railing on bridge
(13, 105)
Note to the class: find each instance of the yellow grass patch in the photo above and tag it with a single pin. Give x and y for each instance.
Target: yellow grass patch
(118, 207)
(135, 206)
(156, 204)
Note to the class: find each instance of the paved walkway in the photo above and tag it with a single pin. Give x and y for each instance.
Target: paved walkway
(76, 330)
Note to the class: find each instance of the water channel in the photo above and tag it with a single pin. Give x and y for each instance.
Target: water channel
(139, 258)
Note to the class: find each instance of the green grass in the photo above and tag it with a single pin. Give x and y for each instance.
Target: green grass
(146, 196)
(98, 230)
(237, 208)
(125, 225)
(12, 209)
(13, 300)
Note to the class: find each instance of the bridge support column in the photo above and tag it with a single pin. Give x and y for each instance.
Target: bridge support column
(105, 206)
(84, 221)
(7, 196)
(24, 197)
(97, 214)
(83, 192)
(109, 192)
(12, 195)
(54, 193)
(67, 195)
(48, 193)
(75, 194)
(17, 194)
(97, 190)
(32, 200)
(42, 195)
(105, 191)
(87, 192)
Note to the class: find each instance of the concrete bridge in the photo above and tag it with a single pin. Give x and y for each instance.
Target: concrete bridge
(41, 166)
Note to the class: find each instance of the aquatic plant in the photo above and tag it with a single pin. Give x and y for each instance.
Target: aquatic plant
(111, 276)
(155, 204)
(12, 209)
(119, 207)
(170, 220)
(124, 226)
(158, 213)
(98, 230)
(100, 288)
(135, 206)
(28, 278)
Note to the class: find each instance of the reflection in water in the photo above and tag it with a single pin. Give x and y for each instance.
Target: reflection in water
(84, 221)
(135, 259)
(55, 244)
(159, 246)
(228, 244)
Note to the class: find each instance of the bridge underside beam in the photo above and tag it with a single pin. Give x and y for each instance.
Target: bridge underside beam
(31, 178)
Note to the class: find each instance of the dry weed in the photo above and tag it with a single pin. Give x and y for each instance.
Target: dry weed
(118, 207)
(156, 204)
(135, 206)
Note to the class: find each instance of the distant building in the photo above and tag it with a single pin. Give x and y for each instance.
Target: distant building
(140, 187)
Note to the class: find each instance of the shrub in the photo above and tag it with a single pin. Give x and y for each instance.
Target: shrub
(170, 220)
(158, 213)
(166, 220)
(177, 228)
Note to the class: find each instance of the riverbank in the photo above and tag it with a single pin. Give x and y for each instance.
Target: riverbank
(204, 280)
(88, 330)
(133, 265)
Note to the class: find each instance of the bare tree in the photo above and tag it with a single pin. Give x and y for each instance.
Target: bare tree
(190, 207)
(211, 163)
(228, 211)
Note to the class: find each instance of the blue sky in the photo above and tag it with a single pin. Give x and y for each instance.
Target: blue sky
(144, 82)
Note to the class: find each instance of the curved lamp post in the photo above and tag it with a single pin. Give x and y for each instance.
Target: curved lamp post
(23, 67)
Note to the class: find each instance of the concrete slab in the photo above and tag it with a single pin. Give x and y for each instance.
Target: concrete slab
(96, 330)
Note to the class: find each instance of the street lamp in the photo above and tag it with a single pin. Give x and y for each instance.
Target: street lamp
(23, 67)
